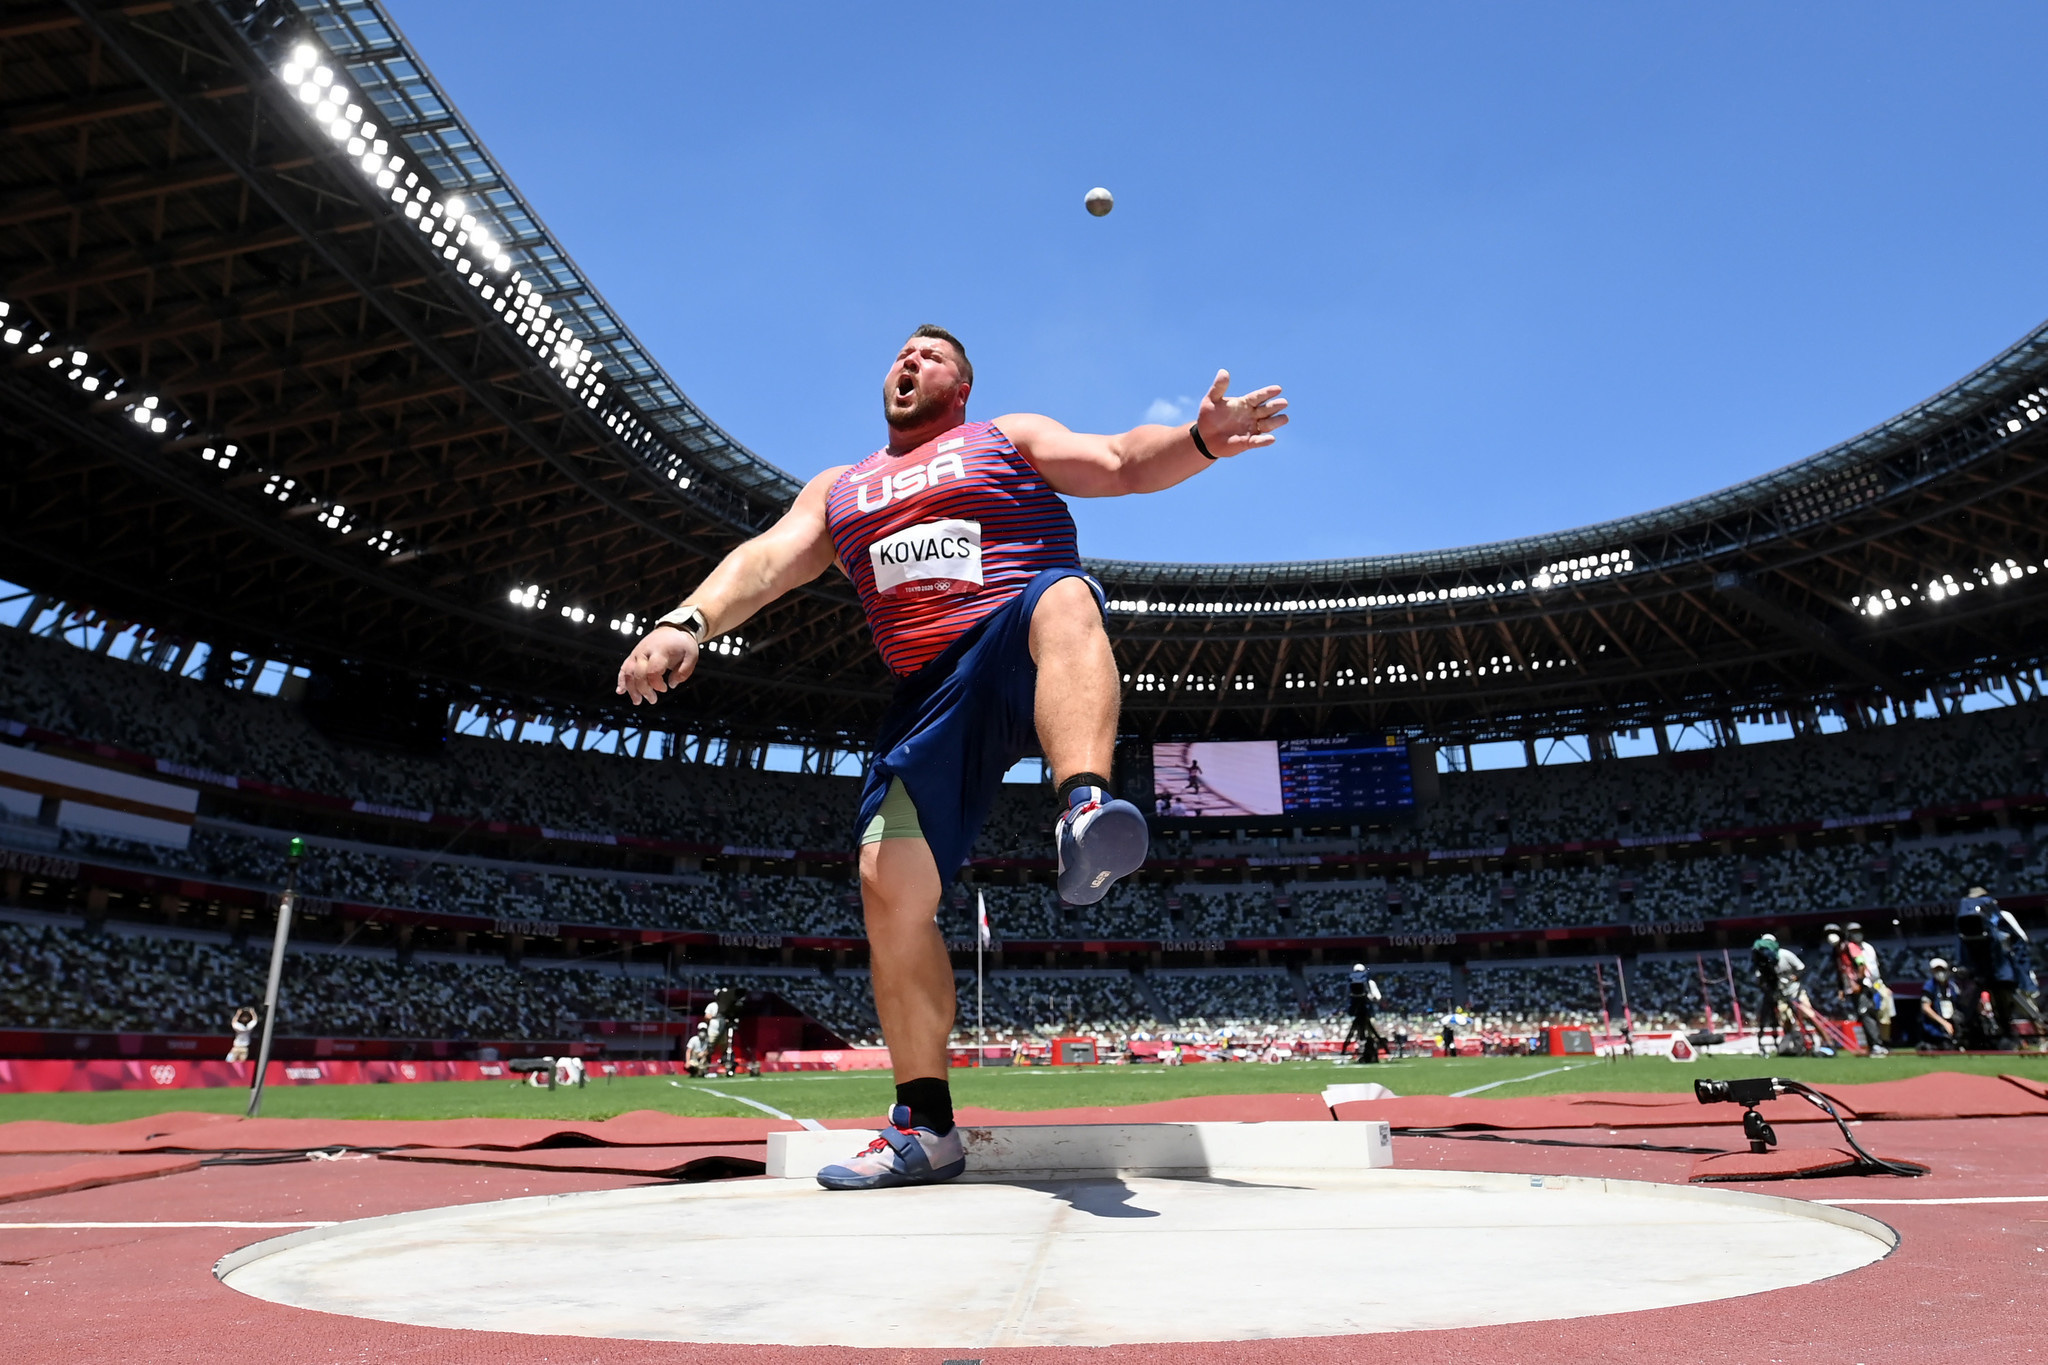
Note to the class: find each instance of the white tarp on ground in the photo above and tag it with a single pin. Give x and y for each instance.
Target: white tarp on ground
(99, 800)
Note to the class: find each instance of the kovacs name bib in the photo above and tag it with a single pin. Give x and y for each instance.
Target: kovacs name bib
(932, 557)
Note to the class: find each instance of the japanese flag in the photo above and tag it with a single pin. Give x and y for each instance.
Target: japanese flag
(981, 903)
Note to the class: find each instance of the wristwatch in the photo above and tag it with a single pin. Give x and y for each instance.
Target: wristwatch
(688, 618)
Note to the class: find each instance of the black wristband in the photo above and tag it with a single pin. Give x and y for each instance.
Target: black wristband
(1195, 430)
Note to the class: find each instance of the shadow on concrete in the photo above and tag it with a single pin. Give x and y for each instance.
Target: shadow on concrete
(1097, 1198)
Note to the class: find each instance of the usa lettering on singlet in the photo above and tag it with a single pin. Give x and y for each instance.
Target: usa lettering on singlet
(938, 537)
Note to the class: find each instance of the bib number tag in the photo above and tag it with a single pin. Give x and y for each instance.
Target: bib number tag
(936, 557)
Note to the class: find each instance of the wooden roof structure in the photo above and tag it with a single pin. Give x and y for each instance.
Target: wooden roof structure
(290, 365)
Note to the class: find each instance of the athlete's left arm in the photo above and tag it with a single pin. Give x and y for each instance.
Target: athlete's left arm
(1148, 458)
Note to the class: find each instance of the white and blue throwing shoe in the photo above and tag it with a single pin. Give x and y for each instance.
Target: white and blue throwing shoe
(1100, 839)
(899, 1155)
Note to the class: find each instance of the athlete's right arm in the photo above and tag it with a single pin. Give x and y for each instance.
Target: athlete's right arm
(789, 554)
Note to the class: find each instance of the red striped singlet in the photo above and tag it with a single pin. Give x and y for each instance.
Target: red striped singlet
(905, 526)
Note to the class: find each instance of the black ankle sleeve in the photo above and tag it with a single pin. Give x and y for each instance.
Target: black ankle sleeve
(930, 1102)
(1080, 780)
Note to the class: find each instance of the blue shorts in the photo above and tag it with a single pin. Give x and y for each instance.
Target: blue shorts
(959, 723)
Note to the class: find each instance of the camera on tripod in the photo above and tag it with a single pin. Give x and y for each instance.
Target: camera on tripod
(1749, 1092)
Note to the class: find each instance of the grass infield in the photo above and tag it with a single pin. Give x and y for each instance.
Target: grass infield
(865, 1094)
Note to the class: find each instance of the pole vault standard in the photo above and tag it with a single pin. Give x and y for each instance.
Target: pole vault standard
(1628, 1020)
(1734, 1000)
(295, 851)
(1606, 1023)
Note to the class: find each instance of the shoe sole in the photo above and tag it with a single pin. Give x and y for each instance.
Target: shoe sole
(893, 1181)
(1118, 841)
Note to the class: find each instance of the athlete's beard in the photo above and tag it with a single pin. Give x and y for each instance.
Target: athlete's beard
(917, 413)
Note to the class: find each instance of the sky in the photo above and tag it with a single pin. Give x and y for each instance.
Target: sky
(1519, 267)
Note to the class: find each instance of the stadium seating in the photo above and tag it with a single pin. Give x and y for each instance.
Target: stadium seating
(67, 978)
(76, 980)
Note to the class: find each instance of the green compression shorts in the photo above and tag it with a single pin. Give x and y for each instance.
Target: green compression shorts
(897, 819)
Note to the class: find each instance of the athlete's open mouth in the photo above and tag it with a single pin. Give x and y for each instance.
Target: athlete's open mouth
(906, 385)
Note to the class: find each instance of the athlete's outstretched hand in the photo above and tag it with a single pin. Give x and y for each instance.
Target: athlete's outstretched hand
(1231, 426)
(664, 657)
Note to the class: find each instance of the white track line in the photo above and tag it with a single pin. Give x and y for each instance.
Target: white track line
(1969, 1199)
(18, 1226)
(1516, 1080)
(767, 1109)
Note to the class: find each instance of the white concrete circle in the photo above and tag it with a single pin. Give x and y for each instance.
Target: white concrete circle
(1080, 1263)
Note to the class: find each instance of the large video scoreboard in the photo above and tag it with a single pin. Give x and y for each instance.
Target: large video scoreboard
(1340, 775)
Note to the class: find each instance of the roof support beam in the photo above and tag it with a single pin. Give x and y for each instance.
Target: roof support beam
(173, 253)
(106, 191)
(1803, 628)
(188, 318)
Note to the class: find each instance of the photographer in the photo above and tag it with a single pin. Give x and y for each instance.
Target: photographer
(1365, 995)
(1862, 988)
(696, 1052)
(1941, 1008)
(1781, 992)
(2001, 960)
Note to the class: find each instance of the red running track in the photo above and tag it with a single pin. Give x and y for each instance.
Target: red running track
(1965, 1282)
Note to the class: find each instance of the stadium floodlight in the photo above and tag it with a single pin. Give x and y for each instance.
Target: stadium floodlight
(347, 121)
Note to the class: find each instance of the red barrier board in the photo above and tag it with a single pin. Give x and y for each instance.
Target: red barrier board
(827, 1059)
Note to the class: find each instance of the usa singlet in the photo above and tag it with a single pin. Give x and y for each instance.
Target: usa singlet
(939, 537)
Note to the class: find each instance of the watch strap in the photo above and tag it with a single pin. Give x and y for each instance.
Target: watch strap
(687, 618)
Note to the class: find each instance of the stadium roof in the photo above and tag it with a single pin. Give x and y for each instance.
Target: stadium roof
(291, 365)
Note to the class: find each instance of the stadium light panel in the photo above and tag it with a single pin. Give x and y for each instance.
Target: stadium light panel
(318, 85)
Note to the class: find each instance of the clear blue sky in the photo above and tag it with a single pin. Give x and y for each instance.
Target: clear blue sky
(1521, 267)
